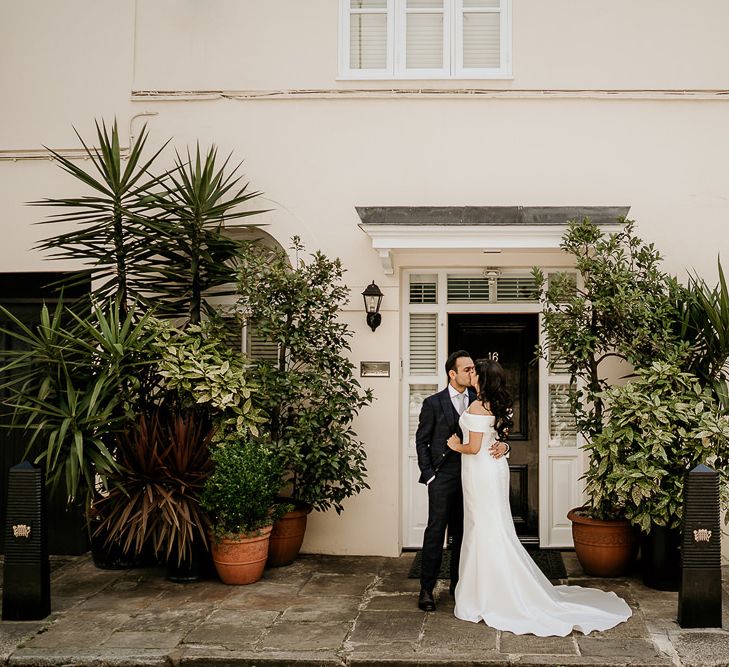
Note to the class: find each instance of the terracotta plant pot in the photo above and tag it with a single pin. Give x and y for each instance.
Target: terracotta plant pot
(241, 559)
(604, 548)
(287, 537)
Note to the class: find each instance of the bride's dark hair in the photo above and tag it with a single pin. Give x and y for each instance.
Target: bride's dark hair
(492, 390)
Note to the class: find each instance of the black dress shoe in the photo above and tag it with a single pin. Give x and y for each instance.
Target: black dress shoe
(426, 601)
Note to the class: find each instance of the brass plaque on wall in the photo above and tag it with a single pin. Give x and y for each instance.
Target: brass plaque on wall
(374, 369)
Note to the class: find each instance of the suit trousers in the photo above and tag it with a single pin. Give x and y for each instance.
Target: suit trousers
(445, 510)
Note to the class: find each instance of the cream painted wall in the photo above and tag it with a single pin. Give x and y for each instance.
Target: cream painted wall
(63, 64)
(316, 159)
(291, 45)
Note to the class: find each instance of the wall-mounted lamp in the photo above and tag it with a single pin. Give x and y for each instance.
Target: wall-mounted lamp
(372, 299)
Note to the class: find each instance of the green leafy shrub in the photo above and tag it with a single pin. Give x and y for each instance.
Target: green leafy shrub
(309, 392)
(240, 494)
(78, 383)
(658, 427)
(200, 372)
(623, 306)
(705, 325)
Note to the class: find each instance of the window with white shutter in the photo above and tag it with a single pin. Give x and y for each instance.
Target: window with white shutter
(425, 39)
(368, 23)
(259, 347)
(233, 332)
(423, 343)
(418, 393)
(491, 286)
(423, 288)
(562, 424)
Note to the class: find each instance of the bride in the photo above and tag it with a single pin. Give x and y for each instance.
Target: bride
(498, 581)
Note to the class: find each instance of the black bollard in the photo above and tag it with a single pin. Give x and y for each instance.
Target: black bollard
(699, 598)
(27, 571)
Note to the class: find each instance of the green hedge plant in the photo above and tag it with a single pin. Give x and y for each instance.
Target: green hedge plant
(309, 392)
(239, 496)
(658, 427)
(623, 306)
(199, 372)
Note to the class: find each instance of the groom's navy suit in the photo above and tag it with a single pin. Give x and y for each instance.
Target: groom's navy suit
(438, 422)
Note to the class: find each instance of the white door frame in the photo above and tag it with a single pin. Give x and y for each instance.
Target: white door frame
(559, 466)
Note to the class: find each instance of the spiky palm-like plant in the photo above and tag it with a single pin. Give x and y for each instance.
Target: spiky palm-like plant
(74, 385)
(163, 464)
(109, 231)
(192, 255)
(705, 325)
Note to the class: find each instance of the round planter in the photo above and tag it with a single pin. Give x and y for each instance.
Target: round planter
(188, 569)
(287, 537)
(604, 548)
(241, 559)
(110, 556)
(660, 556)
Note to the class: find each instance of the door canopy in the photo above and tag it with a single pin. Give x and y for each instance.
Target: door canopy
(399, 228)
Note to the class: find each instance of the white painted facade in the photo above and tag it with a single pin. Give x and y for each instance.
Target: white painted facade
(603, 104)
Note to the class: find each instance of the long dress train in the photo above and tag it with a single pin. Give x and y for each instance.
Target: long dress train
(498, 581)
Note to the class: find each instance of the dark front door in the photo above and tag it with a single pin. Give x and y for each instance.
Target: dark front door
(511, 340)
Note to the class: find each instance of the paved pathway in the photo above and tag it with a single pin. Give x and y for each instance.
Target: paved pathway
(324, 610)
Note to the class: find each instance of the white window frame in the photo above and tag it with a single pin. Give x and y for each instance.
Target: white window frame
(396, 67)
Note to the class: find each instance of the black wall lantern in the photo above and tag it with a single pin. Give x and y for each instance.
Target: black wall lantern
(372, 299)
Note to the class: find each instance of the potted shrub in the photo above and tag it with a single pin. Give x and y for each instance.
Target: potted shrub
(660, 425)
(308, 391)
(149, 243)
(622, 306)
(239, 497)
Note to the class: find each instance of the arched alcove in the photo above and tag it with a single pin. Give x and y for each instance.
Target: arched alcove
(240, 336)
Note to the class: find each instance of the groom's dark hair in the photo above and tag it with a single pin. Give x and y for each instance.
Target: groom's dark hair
(450, 364)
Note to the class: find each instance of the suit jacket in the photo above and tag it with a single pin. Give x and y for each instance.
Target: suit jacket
(438, 422)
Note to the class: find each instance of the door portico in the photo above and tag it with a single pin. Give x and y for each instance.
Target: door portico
(456, 264)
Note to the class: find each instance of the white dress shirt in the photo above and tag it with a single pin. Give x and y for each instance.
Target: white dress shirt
(459, 400)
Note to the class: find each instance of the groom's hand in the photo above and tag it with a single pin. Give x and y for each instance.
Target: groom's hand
(453, 442)
(498, 449)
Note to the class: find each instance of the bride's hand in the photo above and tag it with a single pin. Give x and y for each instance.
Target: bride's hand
(453, 442)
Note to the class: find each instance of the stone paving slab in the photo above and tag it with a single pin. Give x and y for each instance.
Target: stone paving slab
(340, 609)
(530, 644)
(326, 610)
(243, 658)
(90, 657)
(702, 648)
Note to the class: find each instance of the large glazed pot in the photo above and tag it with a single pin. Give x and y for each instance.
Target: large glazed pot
(287, 537)
(604, 548)
(241, 559)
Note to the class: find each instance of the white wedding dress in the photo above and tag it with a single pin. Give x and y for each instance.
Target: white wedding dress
(498, 581)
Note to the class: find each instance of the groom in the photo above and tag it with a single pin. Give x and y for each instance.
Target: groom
(440, 470)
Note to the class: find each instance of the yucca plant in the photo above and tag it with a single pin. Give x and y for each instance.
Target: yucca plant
(163, 463)
(76, 384)
(705, 324)
(193, 258)
(111, 234)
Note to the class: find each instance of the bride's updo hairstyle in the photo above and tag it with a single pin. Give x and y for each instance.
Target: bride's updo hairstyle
(492, 390)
